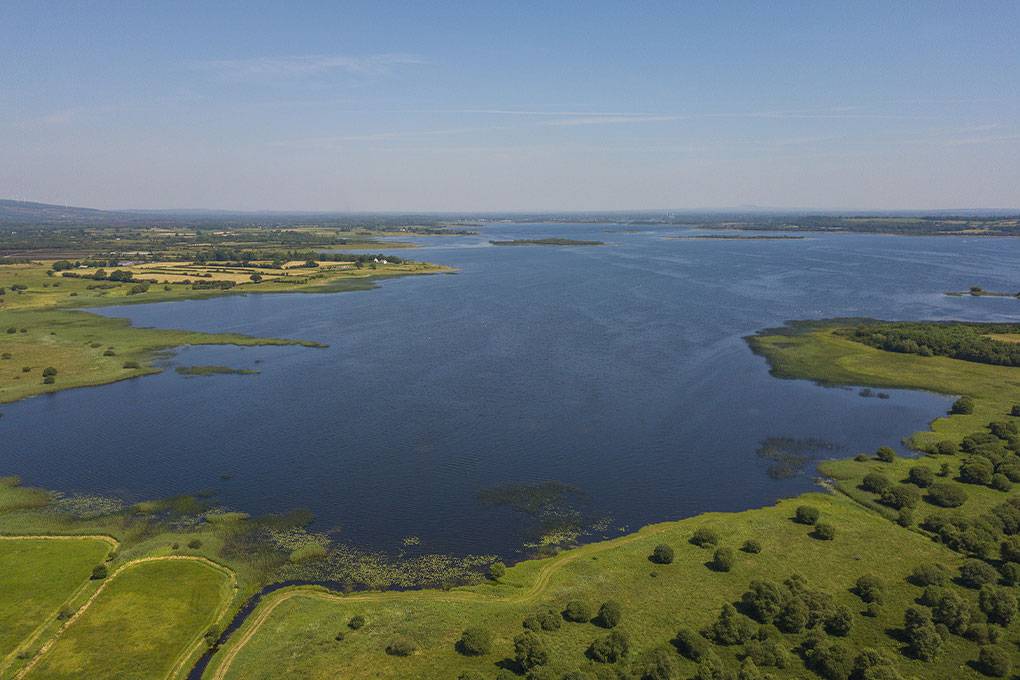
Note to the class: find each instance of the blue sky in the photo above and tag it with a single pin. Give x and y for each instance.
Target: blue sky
(511, 105)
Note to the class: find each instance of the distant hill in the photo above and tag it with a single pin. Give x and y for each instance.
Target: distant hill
(26, 213)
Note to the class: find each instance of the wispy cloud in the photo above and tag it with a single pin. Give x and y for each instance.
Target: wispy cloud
(301, 66)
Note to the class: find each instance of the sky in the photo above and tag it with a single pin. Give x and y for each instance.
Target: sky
(515, 106)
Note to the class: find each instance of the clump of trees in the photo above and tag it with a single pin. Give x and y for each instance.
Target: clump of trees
(966, 341)
(947, 495)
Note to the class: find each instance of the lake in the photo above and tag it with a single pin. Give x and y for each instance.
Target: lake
(611, 384)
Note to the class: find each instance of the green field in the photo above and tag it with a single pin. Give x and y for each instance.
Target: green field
(37, 576)
(146, 623)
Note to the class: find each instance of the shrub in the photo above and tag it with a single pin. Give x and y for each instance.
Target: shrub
(662, 554)
(885, 454)
(951, 610)
(1011, 574)
(975, 573)
(731, 628)
(764, 601)
(831, 660)
(998, 604)
(131, 364)
(767, 652)
(963, 406)
(824, 532)
(794, 616)
(1011, 470)
(994, 661)
(806, 514)
(1015, 411)
(711, 668)
(704, 537)
(751, 546)
(869, 658)
(357, 621)
(905, 517)
(1010, 549)
(869, 588)
(577, 611)
(660, 664)
(99, 572)
(876, 482)
(840, 621)
(947, 448)
(923, 640)
(1000, 482)
(610, 614)
(947, 495)
(497, 570)
(609, 649)
(723, 559)
(530, 651)
(930, 575)
(977, 470)
(49, 371)
(402, 646)
(872, 610)
(474, 642)
(690, 644)
(921, 476)
(901, 497)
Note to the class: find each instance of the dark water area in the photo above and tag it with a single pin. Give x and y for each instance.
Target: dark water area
(619, 371)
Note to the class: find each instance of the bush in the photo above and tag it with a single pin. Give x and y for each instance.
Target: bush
(723, 559)
(923, 640)
(99, 572)
(691, 645)
(530, 651)
(840, 621)
(806, 514)
(1015, 411)
(1011, 574)
(831, 660)
(885, 454)
(921, 476)
(357, 621)
(662, 554)
(402, 646)
(998, 604)
(764, 600)
(610, 614)
(975, 573)
(869, 588)
(475, 642)
(824, 532)
(794, 616)
(49, 372)
(872, 610)
(609, 649)
(994, 661)
(930, 575)
(751, 546)
(577, 611)
(977, 470)
(1000, 482)
(1010, 549)
(876, 482)
(131, 364)
(905, 517)
(731, 628)
(194, 544)
(660, 664)
(901, 497)
(946, 448)
(704, 537)
(497, 570)
(767, 652)
(963, 406)
(947, 495)
(950, 610)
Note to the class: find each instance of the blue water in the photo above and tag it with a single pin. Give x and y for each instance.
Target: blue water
(620, 370)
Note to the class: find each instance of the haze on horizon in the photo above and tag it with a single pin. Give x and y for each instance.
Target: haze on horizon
(485, 106)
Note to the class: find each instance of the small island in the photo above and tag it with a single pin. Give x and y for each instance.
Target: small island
(738, 237)
(547, 242)
(978, 291)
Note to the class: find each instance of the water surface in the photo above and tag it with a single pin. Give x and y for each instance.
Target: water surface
(617, 370)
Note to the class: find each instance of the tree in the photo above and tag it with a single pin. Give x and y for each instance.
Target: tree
(921, 475)
(764, 600)
(99, 572)
(829, 659)
(994, 661)
(869, 588)
(998, 604)
(1015, 411)
(690, 644)
(49, 372)
(610, 614)
(401, 646)
(876, 482)
(951, 610)
(1010, 549)
(751, 546)
(256, 277)
(530, 651)
(824, 532)
(731, 628)
(946, 448)
(977, 470)
(806, 514)
(723, 559)
(609, 649)
(963, 406)
(1000, 482)
(947, 495)
(901, 497)
(662, 554)
(497, 570)
(356, 622)
(704, 537)
(885, 454)
(840, 621)
(475, 642)
(577, 611)
(975, 573)
(794, 616)
(660, 664)
(923, 641)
